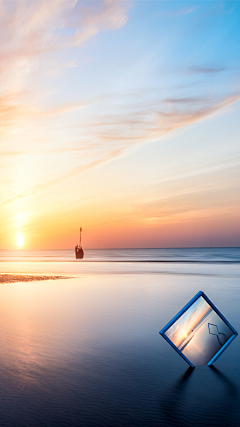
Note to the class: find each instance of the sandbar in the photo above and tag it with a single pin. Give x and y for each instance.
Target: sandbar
(12, 278)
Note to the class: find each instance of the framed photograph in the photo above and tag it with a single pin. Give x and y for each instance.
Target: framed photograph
(199, 332)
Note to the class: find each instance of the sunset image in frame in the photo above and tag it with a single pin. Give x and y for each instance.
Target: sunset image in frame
(199, 332)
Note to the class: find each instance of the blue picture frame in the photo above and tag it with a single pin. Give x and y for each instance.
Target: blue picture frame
(181, 312)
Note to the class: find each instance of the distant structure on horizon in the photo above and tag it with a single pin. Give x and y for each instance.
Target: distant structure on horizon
(78, 248)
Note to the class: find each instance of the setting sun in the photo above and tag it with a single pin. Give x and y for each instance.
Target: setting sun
(20, 240)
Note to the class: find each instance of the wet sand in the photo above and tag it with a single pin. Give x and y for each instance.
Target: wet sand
(13, 278)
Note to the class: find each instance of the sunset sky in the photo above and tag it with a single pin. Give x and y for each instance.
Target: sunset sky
(121, 117)
(180, 330)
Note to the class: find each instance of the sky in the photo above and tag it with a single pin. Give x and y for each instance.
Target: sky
(121, 117)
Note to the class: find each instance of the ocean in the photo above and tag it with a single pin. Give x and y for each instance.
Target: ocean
(86, 351)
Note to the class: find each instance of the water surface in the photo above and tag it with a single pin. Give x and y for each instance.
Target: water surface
(87, 351)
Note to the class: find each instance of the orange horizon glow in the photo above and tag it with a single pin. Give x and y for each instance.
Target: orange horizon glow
(50, 234)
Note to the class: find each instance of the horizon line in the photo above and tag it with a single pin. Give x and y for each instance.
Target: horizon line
(104, 249)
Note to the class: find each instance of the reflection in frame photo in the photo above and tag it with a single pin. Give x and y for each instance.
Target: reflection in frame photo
(199, 332)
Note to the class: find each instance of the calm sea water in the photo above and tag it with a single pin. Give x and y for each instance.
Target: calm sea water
(128, 255)
(86, 351)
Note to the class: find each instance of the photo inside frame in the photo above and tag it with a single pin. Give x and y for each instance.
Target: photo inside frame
(199, 333)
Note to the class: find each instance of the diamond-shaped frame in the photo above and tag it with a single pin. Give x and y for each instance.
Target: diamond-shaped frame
(181, 312)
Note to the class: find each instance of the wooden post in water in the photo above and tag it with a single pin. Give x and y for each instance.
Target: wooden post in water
(80, 235)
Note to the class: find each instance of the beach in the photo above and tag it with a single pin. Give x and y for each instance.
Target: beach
(84, 349)
(119, 213)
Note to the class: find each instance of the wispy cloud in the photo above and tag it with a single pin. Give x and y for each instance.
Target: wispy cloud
(153, 122)
(34, 190)
(179, 12)
(116, 133)
(207, 69)
(30, 30)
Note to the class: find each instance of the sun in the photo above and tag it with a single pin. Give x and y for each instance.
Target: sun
(20, 240)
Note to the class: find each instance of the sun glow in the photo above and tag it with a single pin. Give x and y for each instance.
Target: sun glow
(20, 240)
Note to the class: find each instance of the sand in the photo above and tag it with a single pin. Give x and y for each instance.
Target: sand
(13, 278)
